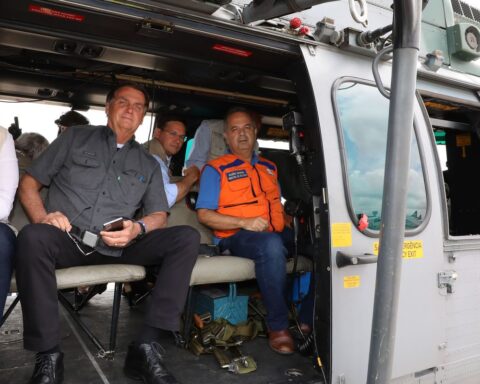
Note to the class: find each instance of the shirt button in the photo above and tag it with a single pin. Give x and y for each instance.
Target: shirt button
(114, 161)
(98, 209)
(103, 193)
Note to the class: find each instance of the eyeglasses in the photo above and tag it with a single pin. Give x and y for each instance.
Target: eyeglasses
(182, 138)
(77, 244)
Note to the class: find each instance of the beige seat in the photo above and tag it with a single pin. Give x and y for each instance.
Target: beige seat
(232, 269)
(94, 274)
(220, 269)
(217, 269)
(90, 275)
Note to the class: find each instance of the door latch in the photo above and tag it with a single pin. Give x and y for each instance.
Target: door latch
(447, 279)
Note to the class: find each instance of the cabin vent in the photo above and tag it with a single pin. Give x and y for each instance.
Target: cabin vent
(466, 10)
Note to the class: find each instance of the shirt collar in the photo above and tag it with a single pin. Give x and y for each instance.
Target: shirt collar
(112, 137)
(254, 156)
(155, 147)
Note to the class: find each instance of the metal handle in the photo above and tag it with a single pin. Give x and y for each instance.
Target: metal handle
(344, 260)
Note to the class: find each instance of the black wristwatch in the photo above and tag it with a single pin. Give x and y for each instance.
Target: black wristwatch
(143, 229)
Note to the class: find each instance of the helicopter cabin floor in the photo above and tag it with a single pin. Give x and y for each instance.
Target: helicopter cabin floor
(82, 366)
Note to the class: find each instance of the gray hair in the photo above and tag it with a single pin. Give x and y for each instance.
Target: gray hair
(31, 144)
(255, 117)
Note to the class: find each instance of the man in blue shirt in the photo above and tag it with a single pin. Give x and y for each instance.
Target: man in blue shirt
(240, 200)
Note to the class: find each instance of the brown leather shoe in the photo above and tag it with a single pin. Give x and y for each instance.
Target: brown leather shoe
(281, 342)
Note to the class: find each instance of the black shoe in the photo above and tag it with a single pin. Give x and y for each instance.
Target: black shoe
(48, 369)
(144, 362)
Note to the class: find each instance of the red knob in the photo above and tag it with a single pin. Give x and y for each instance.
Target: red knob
(295, 23)
(303, 30)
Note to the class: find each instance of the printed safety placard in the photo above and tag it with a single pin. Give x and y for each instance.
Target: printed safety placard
(412, 249)
(341, 234)
(351, 281)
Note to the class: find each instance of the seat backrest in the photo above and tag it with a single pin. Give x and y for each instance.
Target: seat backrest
(18, 218)
(181, 214)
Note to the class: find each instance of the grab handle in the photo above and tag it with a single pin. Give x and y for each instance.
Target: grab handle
(344, 260)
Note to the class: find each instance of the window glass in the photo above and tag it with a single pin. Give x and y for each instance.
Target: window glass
(363, 116)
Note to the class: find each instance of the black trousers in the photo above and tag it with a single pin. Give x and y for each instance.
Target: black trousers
(42, 248)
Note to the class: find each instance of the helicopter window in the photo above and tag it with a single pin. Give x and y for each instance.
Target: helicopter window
(362, 113)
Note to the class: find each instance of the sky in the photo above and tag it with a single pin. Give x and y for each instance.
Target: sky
(40, 118)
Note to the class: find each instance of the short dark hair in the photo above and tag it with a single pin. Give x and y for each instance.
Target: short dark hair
(238, 109)
(161, 120)
(138, 87)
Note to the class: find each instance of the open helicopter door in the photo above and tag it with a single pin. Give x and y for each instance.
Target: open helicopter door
(353, 121)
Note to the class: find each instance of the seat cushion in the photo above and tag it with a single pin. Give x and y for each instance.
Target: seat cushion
(221, 269)
(231, 269)
(94, 274)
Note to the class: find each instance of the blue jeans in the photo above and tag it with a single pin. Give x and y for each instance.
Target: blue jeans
(269, 252)
(7, 250)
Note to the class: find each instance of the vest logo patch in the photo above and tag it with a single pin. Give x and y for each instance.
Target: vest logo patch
(269, 171)
(239, 174)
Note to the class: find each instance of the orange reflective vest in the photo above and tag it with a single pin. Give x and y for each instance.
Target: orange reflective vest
(248, 190)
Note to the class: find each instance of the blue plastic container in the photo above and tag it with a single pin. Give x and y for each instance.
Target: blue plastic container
(222, 304)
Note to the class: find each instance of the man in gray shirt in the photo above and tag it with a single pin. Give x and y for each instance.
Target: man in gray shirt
(95, 175)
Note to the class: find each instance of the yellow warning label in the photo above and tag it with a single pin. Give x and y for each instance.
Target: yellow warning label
(412, 249)
(342, 235)
(351, 281)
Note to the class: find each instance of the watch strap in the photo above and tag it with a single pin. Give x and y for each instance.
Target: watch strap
(143, 229)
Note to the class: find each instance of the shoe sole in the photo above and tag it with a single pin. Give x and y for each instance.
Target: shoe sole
(281, 352)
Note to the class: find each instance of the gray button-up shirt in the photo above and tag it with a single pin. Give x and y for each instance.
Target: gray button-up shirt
(92, 182)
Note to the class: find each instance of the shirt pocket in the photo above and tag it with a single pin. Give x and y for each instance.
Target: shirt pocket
(269, 183)
(239, 191)
(239, 185)
(133, 186)
(86, 171)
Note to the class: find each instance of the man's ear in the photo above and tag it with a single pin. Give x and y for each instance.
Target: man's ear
(107, 107)
(156, 133)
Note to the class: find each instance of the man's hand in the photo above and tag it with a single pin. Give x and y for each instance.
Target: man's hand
(122, 238)
(190, 177)
(192, 173)
(255, 224)
(57, 219)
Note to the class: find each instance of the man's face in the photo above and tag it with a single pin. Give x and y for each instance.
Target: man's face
(240, 133)
(172, 137)
(126, 111)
